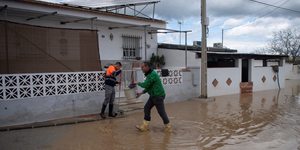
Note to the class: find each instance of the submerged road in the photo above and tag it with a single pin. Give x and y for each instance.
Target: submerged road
(260, 120)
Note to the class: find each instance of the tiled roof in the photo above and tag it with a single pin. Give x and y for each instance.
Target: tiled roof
(90, 10)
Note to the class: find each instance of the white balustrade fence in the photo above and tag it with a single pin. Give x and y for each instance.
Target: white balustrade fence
(19, 86)
(175, 77)
(15, 86)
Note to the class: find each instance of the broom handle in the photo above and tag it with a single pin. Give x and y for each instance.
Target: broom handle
(120, 82)
(120, 90)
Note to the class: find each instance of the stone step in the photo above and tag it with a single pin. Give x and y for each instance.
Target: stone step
(130, 106)
(123, 99)
(129, 102)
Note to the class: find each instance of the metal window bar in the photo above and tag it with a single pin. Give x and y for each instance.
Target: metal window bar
(128, 76)
(131, 46)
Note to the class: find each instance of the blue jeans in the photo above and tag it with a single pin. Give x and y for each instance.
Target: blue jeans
(158, 102)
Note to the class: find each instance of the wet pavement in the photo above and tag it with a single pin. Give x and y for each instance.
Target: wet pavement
(260, 120)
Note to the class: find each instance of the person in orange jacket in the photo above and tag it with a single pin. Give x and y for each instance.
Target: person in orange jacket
(110, 82)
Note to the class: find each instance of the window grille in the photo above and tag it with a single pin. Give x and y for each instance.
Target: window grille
(132, 46)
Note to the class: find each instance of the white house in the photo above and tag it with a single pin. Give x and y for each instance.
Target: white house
(52, 57)
(121, 36)
(228, 72)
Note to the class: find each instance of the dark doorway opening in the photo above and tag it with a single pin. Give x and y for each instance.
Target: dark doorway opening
(245, 70)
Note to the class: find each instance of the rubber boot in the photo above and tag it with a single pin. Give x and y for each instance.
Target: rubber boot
(102, 111)
(143, 127)
(110, 110)
(168, 128)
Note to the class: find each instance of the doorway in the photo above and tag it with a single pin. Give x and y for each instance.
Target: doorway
(245, 70)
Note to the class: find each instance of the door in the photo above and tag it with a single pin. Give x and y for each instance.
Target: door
(245, 70)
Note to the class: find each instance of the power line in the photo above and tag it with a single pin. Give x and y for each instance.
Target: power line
(254, 19)
(275, 6)
(248, 14)
(260, 16)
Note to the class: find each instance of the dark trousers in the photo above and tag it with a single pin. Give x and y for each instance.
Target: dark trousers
(158, 102)
(109, 95)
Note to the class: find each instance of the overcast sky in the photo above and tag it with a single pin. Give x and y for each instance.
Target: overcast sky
(247, 25)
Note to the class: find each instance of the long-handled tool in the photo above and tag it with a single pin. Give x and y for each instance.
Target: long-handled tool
(119, 112)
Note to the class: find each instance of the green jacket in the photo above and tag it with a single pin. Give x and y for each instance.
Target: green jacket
(153, 85)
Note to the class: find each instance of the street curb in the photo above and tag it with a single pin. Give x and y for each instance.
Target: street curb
(53, 123)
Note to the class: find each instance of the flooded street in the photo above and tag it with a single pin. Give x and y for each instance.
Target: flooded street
(248, 121)
(260, 120)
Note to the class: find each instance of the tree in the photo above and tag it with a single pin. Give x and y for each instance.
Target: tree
(284, 42)
(157, 61)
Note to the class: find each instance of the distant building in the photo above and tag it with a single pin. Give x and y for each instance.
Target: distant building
(228, 72)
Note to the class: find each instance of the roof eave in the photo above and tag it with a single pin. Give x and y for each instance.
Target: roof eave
(93, 11)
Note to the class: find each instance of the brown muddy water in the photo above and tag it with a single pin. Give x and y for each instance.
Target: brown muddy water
(261, 120)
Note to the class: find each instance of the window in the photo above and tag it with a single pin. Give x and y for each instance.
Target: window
(221, 62)
(131, 46)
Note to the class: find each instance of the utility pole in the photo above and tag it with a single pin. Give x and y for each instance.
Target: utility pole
(204, 22)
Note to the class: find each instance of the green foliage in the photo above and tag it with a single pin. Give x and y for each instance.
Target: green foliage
(157, 61)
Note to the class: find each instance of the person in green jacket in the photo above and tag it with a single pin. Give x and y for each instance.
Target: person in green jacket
(155, 89)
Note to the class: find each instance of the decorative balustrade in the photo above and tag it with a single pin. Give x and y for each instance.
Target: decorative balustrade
(19, 86)
(175, 77)
(16, 86)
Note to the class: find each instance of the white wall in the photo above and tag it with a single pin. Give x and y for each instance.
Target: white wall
(258, 63)
(112, 49)
(38, 109)
(292, 72)
(221, 75)
(177, 92)
(20, 110)
(259, 72)
(272, 63)
(176, 58)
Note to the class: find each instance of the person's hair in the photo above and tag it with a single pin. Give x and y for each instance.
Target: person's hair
(118, 63)
(146, 63)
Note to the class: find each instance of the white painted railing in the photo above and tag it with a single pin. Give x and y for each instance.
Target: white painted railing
(175, 77)
(128, 76)
(16, 86)
(19, 86)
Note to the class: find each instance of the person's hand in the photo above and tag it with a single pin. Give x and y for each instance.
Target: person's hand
(120, 82)
(135, 82)
(139, 94)
(121, 69)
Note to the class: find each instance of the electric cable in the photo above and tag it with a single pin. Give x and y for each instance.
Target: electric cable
(248, 14)
(260, 16)
(275, 6)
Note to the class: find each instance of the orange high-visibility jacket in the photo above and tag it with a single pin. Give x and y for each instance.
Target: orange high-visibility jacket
(111, 73)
